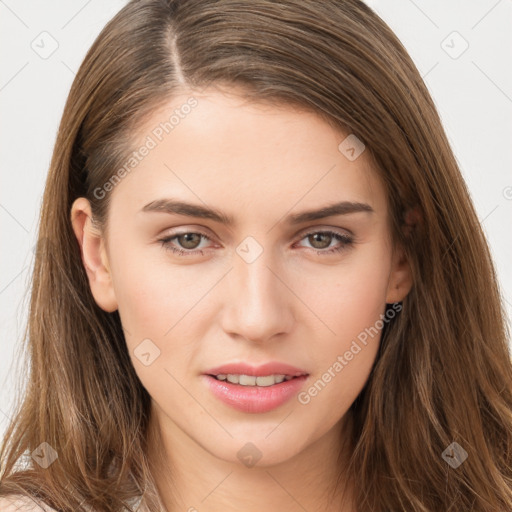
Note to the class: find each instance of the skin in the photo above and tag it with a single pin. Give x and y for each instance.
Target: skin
(258, 163)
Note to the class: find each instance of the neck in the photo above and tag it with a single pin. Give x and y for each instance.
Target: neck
(189, 478)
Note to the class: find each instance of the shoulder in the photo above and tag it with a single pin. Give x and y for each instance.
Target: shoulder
(19, 503)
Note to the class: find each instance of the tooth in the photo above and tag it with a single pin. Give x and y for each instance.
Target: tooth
(267, 380)
(232, 378)
(250, 380)
(247, 380)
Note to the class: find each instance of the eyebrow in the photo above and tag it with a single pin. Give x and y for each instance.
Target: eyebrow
(172, 206)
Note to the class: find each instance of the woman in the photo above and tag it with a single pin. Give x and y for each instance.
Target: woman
(260, 282)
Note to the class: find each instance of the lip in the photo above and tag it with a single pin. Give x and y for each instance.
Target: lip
(271, 368)
(255, 399)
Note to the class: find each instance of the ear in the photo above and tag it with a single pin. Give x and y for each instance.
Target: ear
(400, 278)
(94, 255)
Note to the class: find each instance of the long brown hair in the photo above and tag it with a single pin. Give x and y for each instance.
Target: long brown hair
(443, 372)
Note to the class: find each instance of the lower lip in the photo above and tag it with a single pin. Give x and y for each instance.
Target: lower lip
(255, 399)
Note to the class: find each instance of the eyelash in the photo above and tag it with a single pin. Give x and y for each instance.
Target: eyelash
(346, 240)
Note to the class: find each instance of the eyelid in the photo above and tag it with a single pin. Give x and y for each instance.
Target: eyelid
(183, 231)
(316, 229)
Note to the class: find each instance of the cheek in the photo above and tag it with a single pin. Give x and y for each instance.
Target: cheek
(165, 303)
(153, 300)
(152, 294)
(350, 301)
(349, 297)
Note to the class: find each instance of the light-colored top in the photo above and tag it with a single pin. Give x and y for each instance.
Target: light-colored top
(20, 503)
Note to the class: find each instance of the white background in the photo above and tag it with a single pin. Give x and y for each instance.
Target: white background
(473, 93)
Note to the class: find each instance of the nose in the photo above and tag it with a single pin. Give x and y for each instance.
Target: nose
(258, 305)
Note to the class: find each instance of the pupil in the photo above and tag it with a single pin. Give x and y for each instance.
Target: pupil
(188, 239)
(320, 235)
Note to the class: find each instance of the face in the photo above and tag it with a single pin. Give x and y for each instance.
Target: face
(271, 286)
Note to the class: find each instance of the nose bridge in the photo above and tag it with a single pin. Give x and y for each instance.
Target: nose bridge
(258, 303)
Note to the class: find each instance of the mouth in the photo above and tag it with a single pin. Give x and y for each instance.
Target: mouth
(253, 380)
(255, 389)
(244, 374)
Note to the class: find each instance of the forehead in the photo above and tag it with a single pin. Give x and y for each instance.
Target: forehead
(218, 148)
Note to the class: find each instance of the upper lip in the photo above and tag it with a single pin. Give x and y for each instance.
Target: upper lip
(271, 368)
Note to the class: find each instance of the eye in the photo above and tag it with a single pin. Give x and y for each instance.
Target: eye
(190, 241)
(322, 240)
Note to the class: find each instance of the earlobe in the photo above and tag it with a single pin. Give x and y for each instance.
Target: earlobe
(94, 255)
